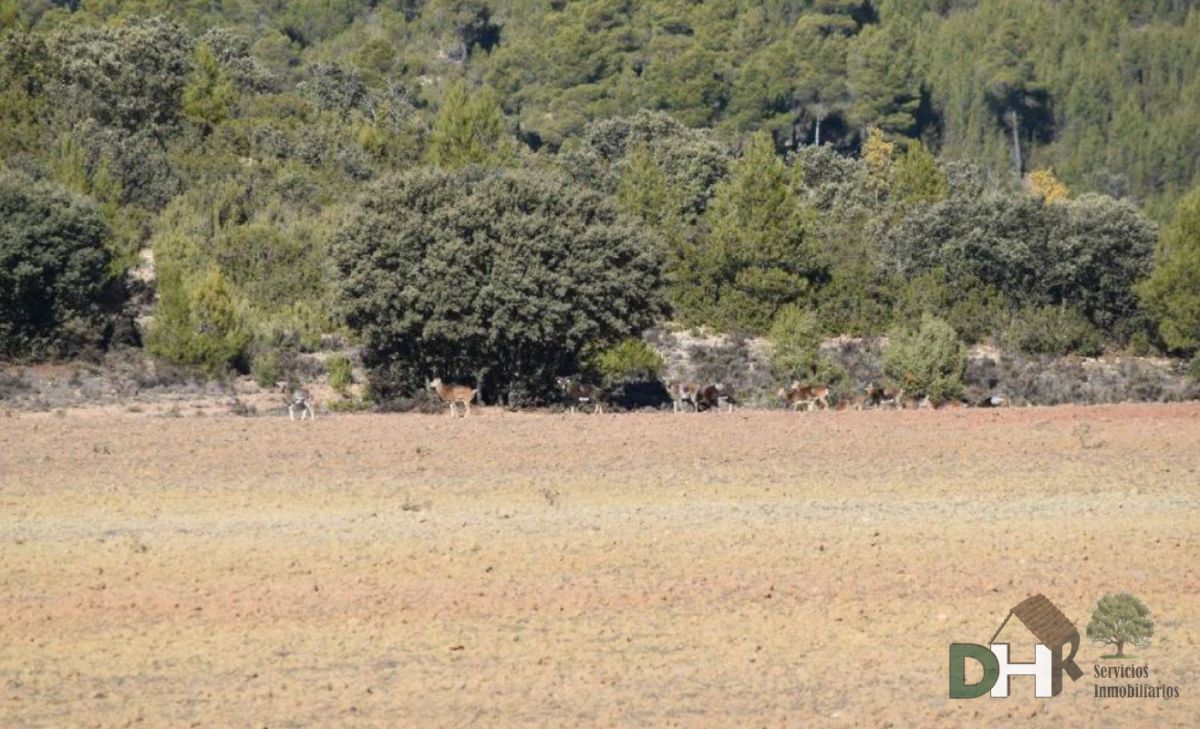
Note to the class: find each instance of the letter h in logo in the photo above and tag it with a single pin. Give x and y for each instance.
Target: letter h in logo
(1042, 670)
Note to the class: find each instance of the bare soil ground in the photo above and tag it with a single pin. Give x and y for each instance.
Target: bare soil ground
(754, 569)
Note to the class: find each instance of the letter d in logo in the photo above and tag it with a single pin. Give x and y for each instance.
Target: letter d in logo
(959, 653)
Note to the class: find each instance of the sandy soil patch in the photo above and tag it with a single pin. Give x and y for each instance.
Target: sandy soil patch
(760, 568)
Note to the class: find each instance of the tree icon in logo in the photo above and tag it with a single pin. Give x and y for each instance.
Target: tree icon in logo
(1120, 618)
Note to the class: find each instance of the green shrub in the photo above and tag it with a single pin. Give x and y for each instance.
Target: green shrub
(796, 351)
(503, 276)
(630, 360)
(1172, 292)
(755, 258)
(198, 323)
(930, 360)
(341, 373)
(267, 368)
(796, 347)
(976, 311)
(1052, 330)
(53, 280)
(1194, 368)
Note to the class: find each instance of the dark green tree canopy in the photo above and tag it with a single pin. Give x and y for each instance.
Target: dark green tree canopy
(902, 128)
(692, 161)
(1172, 293)
(1086, 253)
(503, 276)
(52, 271)
(754, 260)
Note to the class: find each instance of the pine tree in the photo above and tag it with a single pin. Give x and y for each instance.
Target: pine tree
(209, 96)
(883, 77)
(753, 261)
(643, 191)
(1172, 293)
(918, 177)
(469, 129)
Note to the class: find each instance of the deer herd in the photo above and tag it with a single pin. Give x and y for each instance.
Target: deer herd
(685, 397)
(716, 397)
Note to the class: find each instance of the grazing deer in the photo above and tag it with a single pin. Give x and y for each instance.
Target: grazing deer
(682, 392)
(581, 392)
(807, 395)
(453, 394)
(714, 396)
(951, 404)
(297, 399)
(857, 402)
(879, 396)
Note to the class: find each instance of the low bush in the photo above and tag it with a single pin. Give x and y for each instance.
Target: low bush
(341, 373)
(796, 350)
(1052, 330)
(267, 369)
(929, 360)
(198, 323)
(630, 360)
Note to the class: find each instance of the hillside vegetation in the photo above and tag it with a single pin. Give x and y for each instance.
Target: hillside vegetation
(443, 180)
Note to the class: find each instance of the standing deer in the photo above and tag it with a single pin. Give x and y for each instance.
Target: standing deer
(857, 402)
(714, 396)
(878, 396)
(807, 395)
(452, 394)
(682, 392)
(581, 392)
(297, 399)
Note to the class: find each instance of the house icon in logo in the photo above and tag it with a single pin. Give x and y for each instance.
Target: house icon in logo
(1053, 631)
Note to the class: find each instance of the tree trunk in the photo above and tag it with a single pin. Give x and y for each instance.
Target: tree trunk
(1015, 123)
(817, 140)
(1120, 649)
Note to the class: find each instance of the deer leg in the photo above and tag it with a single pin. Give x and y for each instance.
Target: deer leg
(291, 412)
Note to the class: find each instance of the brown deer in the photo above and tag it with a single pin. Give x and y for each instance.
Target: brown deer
(807, 395)
(297, 399)
(453, 394)
(855, 402)
(682, 392)
(879, 396)
(716, 395)
(581, 392)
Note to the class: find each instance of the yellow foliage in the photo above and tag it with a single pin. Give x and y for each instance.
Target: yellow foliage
(878, 153)
(1043, 184)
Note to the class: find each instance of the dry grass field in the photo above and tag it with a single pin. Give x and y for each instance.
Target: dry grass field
(754, 569)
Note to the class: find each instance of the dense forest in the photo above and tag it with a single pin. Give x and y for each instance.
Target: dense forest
(507, 189)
